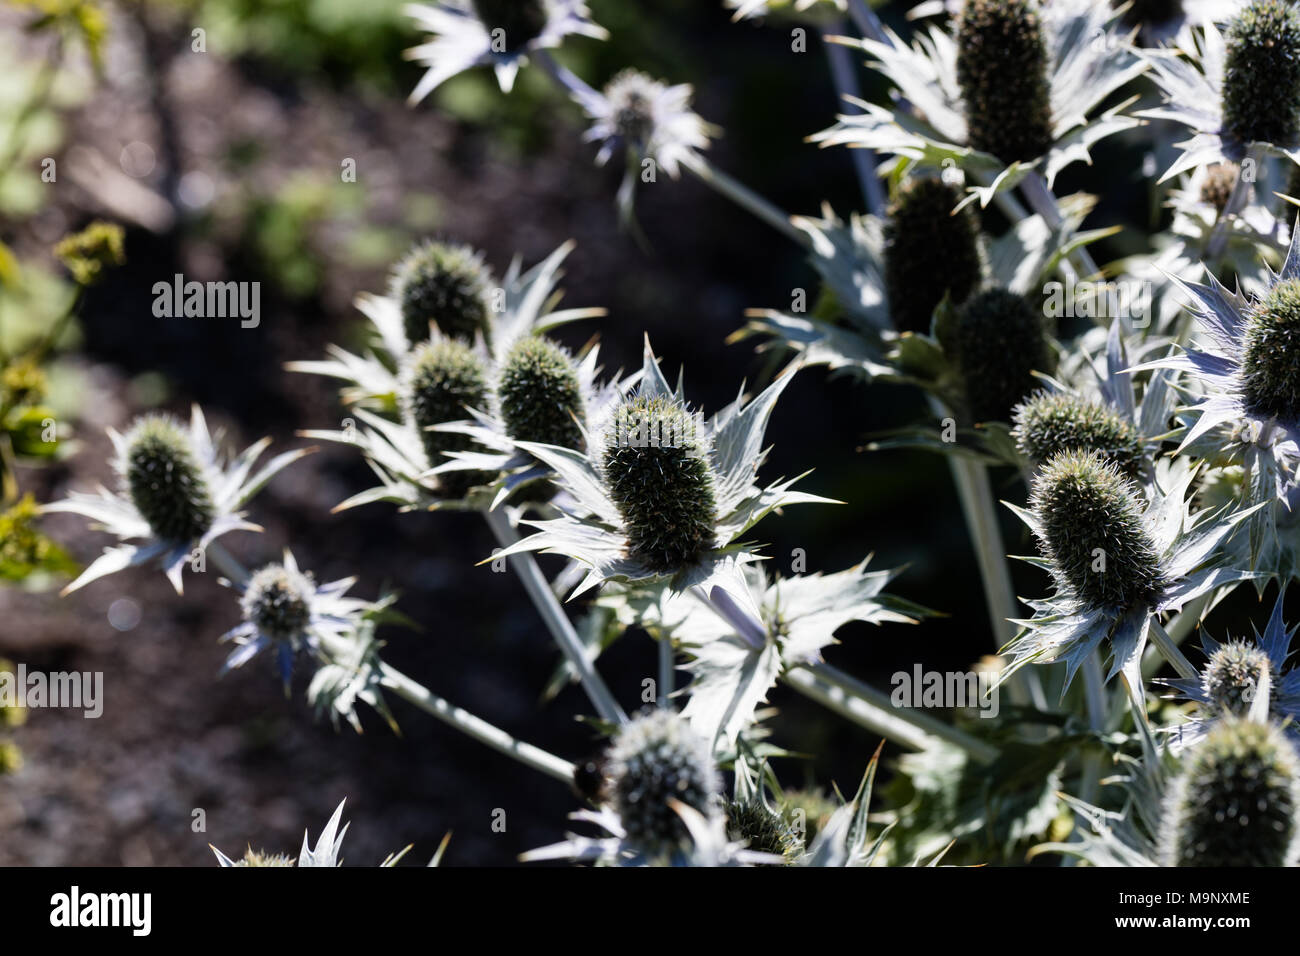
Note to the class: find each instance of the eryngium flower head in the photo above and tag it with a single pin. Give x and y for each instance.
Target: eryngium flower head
(275, 601)
(519, 20)
(540, 394)
(1002, 69)
(1000, 341)
(1261, 76)
(653, 759)
(165, 481)
(1093, 533)
(445, 284)
(657, 472)
(441, 380)
(1233, 676)
(1271, 362)
(1051, 422)
(761, 829)
(929, 251)
(1235, 802)
(1216, 188)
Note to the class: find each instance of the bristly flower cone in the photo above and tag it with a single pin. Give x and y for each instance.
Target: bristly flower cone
(166, 482)
(520, 20)
(1261, 76)
(1000, 341)
(1232, 677)
(657, 473)
(1092, 530)
(654, 758)
(1235, 802)
(761, 829)
(1002, 70)
(540, 394)
(928, 252)
(442, 380)
(1271, 364)
(445, 284)
(275, 602)
(1049, 422)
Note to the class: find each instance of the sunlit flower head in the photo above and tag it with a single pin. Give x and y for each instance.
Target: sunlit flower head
(177, 494)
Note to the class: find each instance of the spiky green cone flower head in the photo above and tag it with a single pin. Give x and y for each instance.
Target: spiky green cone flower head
(165, 481)
(445, 284)
(1092, 530)
(1050, 422)
(1000, 341)
(540, 394)
(1271, 361)
(1235, 802)
(521, 21)
(657, 472)
(1220, 180)
(1261, 76)
(1002, 70)
(929, 252)
(1149, 12)
(761, 829)
(654, 758)
(440, 381)
(275, 600)
(1233, 676)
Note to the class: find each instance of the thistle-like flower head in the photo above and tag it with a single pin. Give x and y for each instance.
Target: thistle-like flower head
(1261, 78)
(284, 610)
(1093, 532)
(1002, 65)
(656, 467)
(999, 340)
(658, 493)
(441, 381)
(762, 829)
(655, 758)
(165, 480)
(1271, 360)
(1235, 671)
(1048, 423)
(930, 251)
(177, 495)
(464, 34)
(446, 285)
(541, 394)
(1119, 554)
(1235, 802)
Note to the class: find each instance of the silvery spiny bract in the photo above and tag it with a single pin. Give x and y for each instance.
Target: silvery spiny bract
(178, 495)
(324, 854)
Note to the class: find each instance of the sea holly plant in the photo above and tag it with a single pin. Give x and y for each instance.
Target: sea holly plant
(661, 493)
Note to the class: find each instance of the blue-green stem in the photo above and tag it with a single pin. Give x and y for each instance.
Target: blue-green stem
(557, 622)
